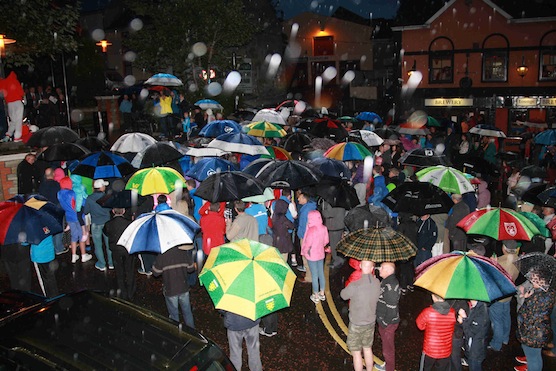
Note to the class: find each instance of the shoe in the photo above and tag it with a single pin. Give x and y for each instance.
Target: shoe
(17, 140)
(85, 258)
(302, 280)
(140, 271)
(381, 367)
(521, 359)
(549, 353)
(7, 138)
(74, 258)
(63, 251)
(102, 269)
(410, 288)
(293, 264)
(315, 298)
(520, 368)
(301, 268)
(464, 362)
(264, 333)
(403, 291)
(322, 297)
(110, 267)
(494, 350)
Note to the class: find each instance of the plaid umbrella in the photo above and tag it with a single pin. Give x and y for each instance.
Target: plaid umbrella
(377, 244)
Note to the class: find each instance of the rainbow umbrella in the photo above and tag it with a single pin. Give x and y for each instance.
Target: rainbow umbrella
(446, 178)
(155, 180)
(464, 275)
(348, 152)
(264, 129)
(499, 223)
(277, 153)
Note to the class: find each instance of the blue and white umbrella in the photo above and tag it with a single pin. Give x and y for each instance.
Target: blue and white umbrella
(238, 142)
(164, 79)
(208, 166)
(219, 127)
(103, 165)
(158, 232)
(369, 116)
(208, 103)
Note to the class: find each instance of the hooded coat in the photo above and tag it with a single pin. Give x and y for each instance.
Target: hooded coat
(281, 225)
(316, 237)
(483, 195)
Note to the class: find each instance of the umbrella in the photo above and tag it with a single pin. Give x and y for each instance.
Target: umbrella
(448, 179)
(348, 152)
(289, 174)
(348, 119)
(409, 129)
(51, 135)
(325, 127)
(538, 222)
(478, 165)
(208, 166)
(487, 131)
(431, 121)
(499, 223)
(267, 195)
(381, 244)
(156, 154)
(158, 232)
(277, 153)
(229, 186)
(269, 115)
(155, 180)
(533, 171)
(208, 103)
(64, 152)
(387, 133)
(362, 217)
(164, 79)
(132, 142)
(255, 166)
(219, 127)
(418, 198)
(541, 265)
(123, 199)
(29, 219)
(264, 129)
(464, 275)
(532, 194)
(369, 116)
(423, 157)
(238, 142)
(296, 142)
(93, 144)
(547, 137)
(332, 168)
(369, 137)
(205, 152)
(337, 193)
(103, 165)
(533, 124)
(295, 106)
(248, 278)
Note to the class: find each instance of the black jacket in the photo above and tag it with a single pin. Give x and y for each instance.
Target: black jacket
(173, 266)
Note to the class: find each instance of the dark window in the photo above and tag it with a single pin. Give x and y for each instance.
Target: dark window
(495, 65)
(441, 60)
(548, 65)
(323, 45)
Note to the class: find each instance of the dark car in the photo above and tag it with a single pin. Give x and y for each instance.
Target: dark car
(93, 331)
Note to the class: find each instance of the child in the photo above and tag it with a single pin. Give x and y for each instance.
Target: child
(186, 125)
(312, 248)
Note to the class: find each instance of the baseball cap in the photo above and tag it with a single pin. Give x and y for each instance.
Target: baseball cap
(99, 183)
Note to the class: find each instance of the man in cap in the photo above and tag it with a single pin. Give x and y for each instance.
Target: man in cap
(99, 217)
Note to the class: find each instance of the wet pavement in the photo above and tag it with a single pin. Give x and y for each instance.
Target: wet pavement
(309, 337)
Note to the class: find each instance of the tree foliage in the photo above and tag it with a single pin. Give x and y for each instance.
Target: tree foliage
(40, 28)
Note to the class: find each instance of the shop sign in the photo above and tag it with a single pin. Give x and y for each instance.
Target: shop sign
(449, 102)
(548, 101)
(525, 102)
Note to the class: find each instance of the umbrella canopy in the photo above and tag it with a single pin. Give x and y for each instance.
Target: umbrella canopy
(534, 193)
(387, 133)
(534, 171)
(94, 144)
(289, 174)
(132, 142)
(219, 127)
(538, 222)
(277, 153)
(296, 107)
(377, 245)
(369, 116)
(156, 154)
(538, 267)
(464, 275)
(348, 152)
(547, 137)
(423, 157)
(64, 152)
(229, 186)
(123, 199)
(499, 223)
(205, 152)
(296, 142)
(51, 135)
(238, 142)
(158, 232)
(103, 165)
(446, 178)
(487, 131)
(255, 166)
(164, 79)
(29, 219)
(267, 195)
(326, 127)
(264, 129)
(418, 198)
(269, 115)
(369, 137)
(208, 166)
(332, 168)
(155, 180)
(478, 165)
(363, 217)
(208, 103)
(248, 278)
(338, 193)
(348, 119)
(410, 129)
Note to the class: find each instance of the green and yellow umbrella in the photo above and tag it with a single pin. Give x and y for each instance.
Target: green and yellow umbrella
(265, 129)
(248, 278)
(155, 180)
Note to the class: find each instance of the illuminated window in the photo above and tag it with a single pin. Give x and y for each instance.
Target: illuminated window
(323, 45)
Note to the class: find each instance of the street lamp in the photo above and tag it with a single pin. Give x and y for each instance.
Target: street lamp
(3, 42)
(104, 44)
(523, 69)
(413, 68)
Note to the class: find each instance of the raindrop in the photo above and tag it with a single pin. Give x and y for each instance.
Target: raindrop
(110, 128)
(299, 108)
(368, 164)
(295, 28)
(232, 81)
(77, 115)
(472, 10)
(55, 35)
(433, 31)
(440, 148)
(144, 94)
(285, 113)
(101, 135)
(130, 56)
(192, 87)
(318, 89)
(130, 80)
(98, 34)
(214, 88)
(329, 74)
(314, 4)
(22, 237)
(153, 358)
(199, 49)
(348, 77)
(454, 11)
(363, 58)
(273, 65)
(136, 24)
(293, 50)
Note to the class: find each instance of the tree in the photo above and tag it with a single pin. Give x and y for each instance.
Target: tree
(40, 27)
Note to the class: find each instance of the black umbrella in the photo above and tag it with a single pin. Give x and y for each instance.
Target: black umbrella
(531, 195)
(337, 193)
(327, 128)
(64, 152)
(296, 142)
(362, 217)
(478, 165)
(122, 199)
(423, 157)
(289, 174)
(332, 168)
(51, 135)
(255, 166)
(156, 154)
(387, 133)
(229, 186)
(533, 171)
(94, 144)
(418, 198)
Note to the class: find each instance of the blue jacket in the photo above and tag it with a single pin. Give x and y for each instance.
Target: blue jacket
(302, 217)
(258, 211)
(44, 251)
(161, 207)
(99, 214)
(67, 202)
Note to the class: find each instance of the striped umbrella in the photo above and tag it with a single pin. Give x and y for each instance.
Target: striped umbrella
(208, 103)
(155, 180)
(164, 79)
(269, 115)
(446, 178)
(348, 152)
(464, 275)
(103, 165)
(499, 223)
(277, 153)
(264, 129)
(132, 143)
(238, 142)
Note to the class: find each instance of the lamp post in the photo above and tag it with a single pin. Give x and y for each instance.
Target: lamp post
(523, 68)
(3, 42)
(413, 68)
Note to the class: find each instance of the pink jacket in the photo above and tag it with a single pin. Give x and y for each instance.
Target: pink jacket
(316, 237)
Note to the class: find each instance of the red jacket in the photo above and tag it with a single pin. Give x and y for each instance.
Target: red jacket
(11, 88)
(439, 329)
(213, 226)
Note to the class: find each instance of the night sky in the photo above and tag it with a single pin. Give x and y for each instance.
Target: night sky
(363, 8)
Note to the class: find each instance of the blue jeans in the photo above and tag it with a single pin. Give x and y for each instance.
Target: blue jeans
(98, 237)
(58, 242)
(173, 303)
(317, 273)
(501, 323)
(534, 358)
